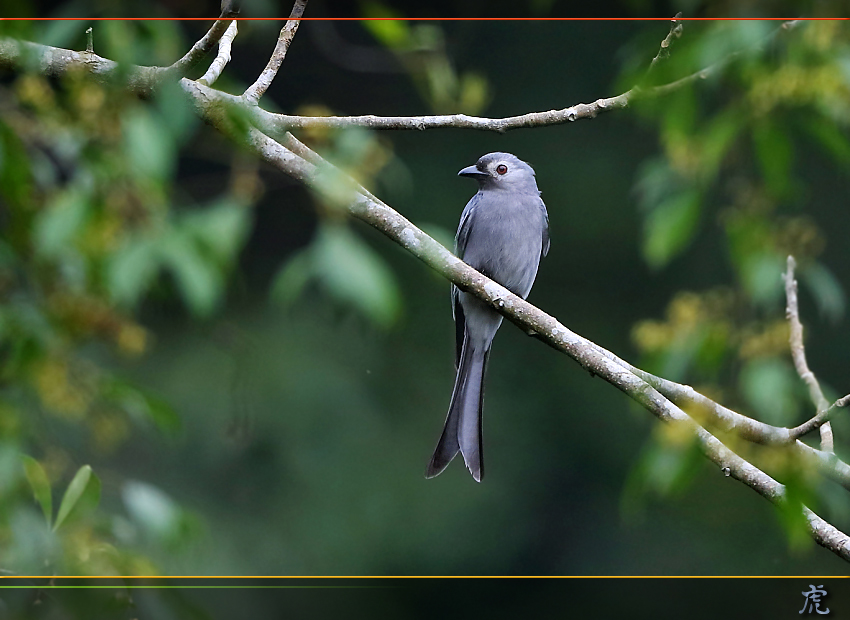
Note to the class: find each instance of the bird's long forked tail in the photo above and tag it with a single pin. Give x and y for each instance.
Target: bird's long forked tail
(462, 431)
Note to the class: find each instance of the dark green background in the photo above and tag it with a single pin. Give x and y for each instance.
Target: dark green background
(306, 430)
(343, 418)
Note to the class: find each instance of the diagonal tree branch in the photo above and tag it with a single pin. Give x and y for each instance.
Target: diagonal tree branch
(228, 114)
(820, 420)
(377, 214)
(222, 58)
(256, 90)
(715, 415)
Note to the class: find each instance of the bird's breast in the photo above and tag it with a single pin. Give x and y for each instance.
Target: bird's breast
(505, 243)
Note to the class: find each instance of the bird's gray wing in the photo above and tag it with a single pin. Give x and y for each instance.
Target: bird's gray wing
(465, 226)
(460, 324)
(461, 239)
(545, 247)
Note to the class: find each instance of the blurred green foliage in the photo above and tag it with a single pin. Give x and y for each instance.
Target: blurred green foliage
(116, 275)
(421, 47)
(728, 161)
(90, 225)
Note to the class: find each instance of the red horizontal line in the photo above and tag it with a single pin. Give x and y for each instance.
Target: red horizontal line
(428, 19)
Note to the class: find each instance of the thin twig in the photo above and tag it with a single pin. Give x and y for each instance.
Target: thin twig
(820, 420)
(200, 49)
(664, 50)
(142, 80)
(714, 415)
(798, 353)
(223, 56)
(257, 89)
(280, 123)
(89, 40)
(711, 70)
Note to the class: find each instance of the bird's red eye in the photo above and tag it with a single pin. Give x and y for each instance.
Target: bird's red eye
(501, 168)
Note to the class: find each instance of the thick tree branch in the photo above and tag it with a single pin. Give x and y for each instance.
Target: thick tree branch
(258, 89)
(53, 61)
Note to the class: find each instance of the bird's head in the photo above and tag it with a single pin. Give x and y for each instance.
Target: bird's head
(502, 171)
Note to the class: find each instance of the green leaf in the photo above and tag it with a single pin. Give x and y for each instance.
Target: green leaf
(474, 93)
(163, 43)
(60, 223)
(162, 414)
(149, 147)
(142, 405)
(833, 140)
(353, 273)
(655, 182)
(761, 274)
(63, 32)
(117, 40)
(198, 281)
(175, 109)
(152, 509)
(351, 146)
(293, 277)
(681, 115)
(131, 270)
(15, 175)
(716, 141)
(347, 269)
(40, 486)
(798, 493)
(768, 385)
(826, 289)
(334, 187)
(775, 155)
(670, 226)
(82, 496)
(220, 228)
(729, 37)
(667, 465)
(393, 33)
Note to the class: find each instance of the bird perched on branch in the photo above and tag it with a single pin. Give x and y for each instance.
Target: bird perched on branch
(503, 233)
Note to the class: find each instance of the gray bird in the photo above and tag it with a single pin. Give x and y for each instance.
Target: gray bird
(503, 233)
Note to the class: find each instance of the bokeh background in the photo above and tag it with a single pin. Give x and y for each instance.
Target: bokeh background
(257, 382)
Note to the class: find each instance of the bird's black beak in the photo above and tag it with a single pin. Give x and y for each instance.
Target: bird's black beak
(471, 171)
